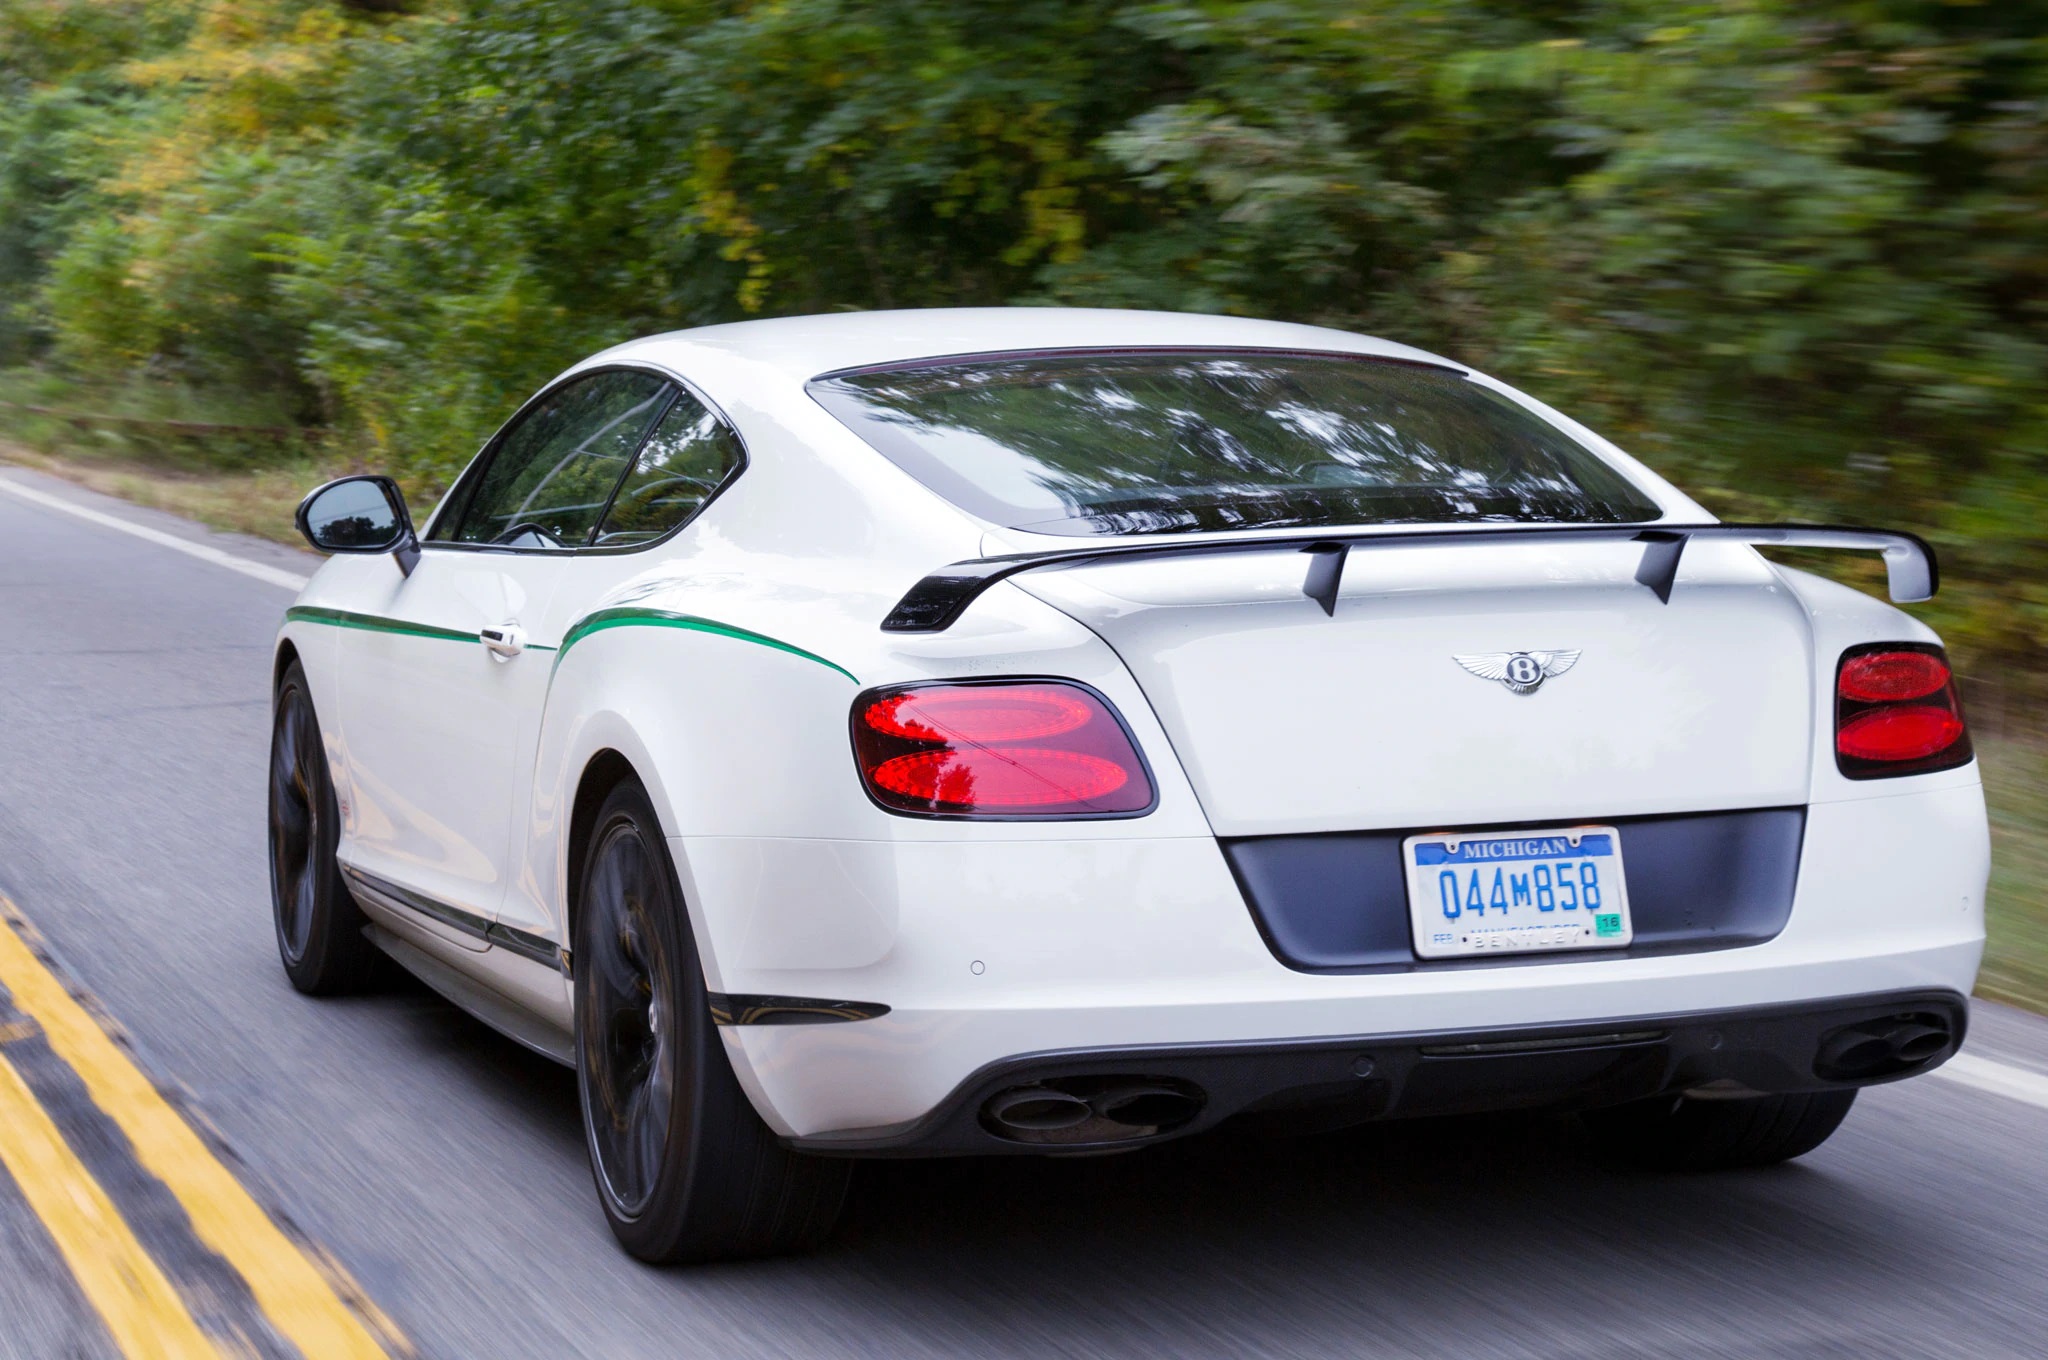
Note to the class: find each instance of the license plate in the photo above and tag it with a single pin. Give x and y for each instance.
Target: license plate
(1503, 892)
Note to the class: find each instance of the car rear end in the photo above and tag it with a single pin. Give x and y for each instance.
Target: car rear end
(1478, 826)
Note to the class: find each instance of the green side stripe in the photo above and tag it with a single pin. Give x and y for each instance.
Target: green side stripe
(594, 623)
(374, 623)
(662, 618)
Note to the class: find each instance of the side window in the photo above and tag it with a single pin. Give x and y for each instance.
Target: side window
(551, 474)
(689, 454)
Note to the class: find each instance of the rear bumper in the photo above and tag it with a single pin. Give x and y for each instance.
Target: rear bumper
(1335, 1082)
(1023, 943)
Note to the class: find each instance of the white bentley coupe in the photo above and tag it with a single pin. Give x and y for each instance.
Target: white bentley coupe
(1037, 731)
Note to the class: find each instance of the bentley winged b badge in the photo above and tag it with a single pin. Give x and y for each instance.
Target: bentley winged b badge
(1521, 672)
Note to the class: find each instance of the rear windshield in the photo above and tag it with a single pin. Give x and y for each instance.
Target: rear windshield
(1146, 443)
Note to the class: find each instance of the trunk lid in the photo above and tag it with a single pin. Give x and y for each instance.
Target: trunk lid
(1287, 720)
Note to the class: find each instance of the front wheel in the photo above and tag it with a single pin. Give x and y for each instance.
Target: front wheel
(1679, 1133)
(319, 926)
(685, 1169)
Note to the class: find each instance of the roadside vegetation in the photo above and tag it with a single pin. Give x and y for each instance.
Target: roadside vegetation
(2016, 958)
(240, 465)
(253, 501)
(1792, 252)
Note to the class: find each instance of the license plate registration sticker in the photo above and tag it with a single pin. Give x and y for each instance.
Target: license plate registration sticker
(1498, 892)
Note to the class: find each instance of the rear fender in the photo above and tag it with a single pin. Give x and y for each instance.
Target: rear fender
(737, 741)
(1841, 618)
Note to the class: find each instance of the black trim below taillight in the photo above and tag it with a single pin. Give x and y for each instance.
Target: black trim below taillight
(1945, 699)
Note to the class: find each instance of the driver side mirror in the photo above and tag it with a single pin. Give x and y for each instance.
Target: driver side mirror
(363, 514)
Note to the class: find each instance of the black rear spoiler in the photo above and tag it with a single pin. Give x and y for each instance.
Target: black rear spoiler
(934, 603)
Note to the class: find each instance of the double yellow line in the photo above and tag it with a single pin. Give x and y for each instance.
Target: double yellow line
(142, 1309)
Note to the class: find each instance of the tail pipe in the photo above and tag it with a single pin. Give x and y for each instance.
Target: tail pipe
(1890, 1046)
(1092, 1110)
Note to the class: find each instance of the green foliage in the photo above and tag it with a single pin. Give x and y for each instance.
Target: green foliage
(2016, 789)
(1790, 251)
(54, 145)
(46, 42)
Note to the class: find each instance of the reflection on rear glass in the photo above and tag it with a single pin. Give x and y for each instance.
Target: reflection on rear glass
(1131, 443)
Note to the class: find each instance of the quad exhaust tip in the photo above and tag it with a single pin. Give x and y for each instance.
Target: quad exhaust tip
(1889, 1046)
(1089, 1110)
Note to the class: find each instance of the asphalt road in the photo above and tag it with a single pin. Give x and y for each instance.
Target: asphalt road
(444, 1168)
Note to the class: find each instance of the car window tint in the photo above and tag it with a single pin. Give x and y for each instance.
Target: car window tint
(1138, 442)
(689, 454)
(551, 474)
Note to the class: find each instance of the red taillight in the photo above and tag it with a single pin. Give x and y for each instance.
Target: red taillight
(1039, 748)
(1896, 712)
(1899, 732)
(979, 712)
(1888, 677)
(1021, 778)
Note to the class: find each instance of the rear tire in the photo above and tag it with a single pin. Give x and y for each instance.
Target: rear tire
(319, 926)
(685, 1169)
(1675, 1133)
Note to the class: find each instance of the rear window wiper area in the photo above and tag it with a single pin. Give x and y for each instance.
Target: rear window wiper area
(934, 603)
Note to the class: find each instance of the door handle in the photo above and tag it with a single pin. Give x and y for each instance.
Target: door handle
(503, 642)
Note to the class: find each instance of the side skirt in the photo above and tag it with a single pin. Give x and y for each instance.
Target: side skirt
(400, 900)
(502, 1013)
(513, 1021)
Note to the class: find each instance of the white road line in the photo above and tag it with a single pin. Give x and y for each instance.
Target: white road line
(276, 576)
(2000, 1079)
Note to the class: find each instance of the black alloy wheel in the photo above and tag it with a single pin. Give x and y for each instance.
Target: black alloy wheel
(319, 926)
(685, 1169)
(628, 972)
